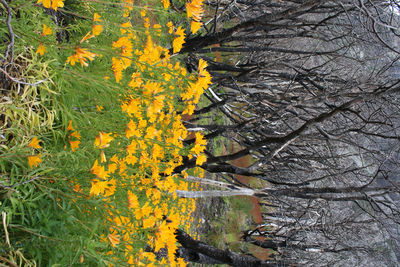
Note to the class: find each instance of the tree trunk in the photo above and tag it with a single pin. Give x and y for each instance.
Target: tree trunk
(224, 256)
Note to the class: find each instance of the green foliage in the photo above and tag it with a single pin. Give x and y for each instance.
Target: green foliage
(227, 228)
(45, 224)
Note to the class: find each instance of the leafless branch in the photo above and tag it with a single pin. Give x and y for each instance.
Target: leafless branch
(10, 47)
(18, 184)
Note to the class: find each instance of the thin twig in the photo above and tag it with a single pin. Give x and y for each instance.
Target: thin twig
(21, 82)
(10, 47)
(4, 217)
(34, 233)
(12, 264)
(18, 184)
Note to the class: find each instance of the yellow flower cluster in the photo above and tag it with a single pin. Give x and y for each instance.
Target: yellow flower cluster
(178, 41)
(34, 160)
(46, 31)
(194, 10)
(199, 147)
(153, 141)
(74, 137)
(133, 175)
(54, 4)
(193, 92)
(81, 54)
(96, 28)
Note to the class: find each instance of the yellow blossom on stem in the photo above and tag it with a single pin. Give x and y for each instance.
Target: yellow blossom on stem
(56, 4)
(195, 9)
(103, 157)
(99, 170)
(81, 55)
(114, 239)
(87, 37)
(195, 26)
(103, 140)
(70, 127)
(74, 144)
(170, 26)
(110, 188)
(46, 30)
(133, 202)
(200, 139)
(46, 3)
(178, 42)
(76, 135)
(165, 3)
(35, 143)
(201, 159)
(97, 187)
(34, 160)
(96, 17)
(41, 49)
(97, 29)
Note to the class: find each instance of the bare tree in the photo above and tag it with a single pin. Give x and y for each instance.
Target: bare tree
(310, 91)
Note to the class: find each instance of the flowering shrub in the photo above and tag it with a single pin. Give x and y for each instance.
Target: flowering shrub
(117, 141)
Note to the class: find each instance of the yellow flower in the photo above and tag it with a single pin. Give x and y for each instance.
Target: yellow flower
(178, 42)
(195, 9)
(99, 171)
(35, 143)
(195, 26)
(46, 3)
(87, 37)
(165, 3)
(102, 187)
(110, 188)
(56, 4)
(103, 140)
(143, 211)
(70, 128)
(114, 239)
(96, 17)
(189, 108)
(149, 222)
(46, 30)
(81, 55)
(112, 167)
(130, 159)
(34, 160)
(201, 159)
(103, 157)
(41, 49)
(76, 135)
(133, 202)
(97, 29)
(97, 187)
(126, 24)
(170, 27)
(74, 144)
(200, 139)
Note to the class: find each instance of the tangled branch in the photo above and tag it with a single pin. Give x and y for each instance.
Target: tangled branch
(10, 47)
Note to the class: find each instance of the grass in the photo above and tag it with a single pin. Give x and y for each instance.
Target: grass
(227, 229)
